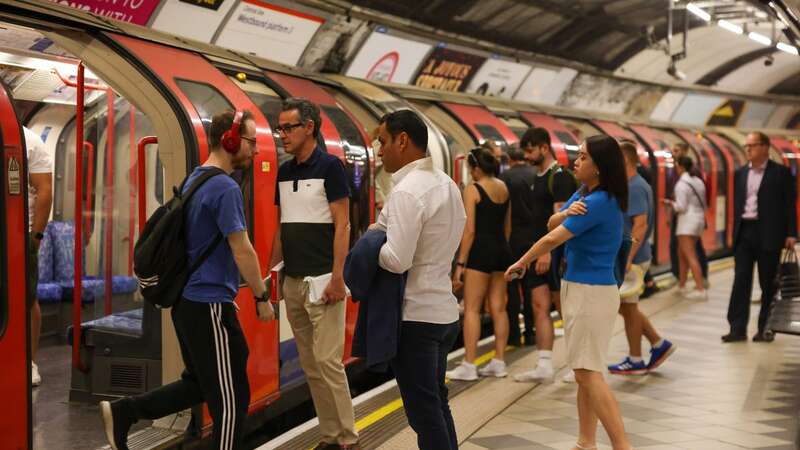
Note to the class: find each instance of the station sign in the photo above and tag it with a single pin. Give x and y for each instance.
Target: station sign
(498, 78)
(448, 70)
(269, 31)
(133, 11)
(200, 19)
(388, 58)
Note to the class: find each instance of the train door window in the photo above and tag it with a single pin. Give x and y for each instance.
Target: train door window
(570, 145)
(580, 128)
(671, 138)
(517, 126)
(269, 102)
(490, 133)
(208, 101)
(458, 140)
(357, 167)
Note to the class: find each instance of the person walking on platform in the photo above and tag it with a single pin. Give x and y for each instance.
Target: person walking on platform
(519, 179)
(552, 187)
(212, 344)
(639, 222)
(40, 201)
(690, 208)
(423, 219)
(483, 256)
(765, 221)
(312, 195)
(680, 150)
(591, 225)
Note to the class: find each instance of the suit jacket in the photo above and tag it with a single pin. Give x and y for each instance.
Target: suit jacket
(777, 214)
(380, 294)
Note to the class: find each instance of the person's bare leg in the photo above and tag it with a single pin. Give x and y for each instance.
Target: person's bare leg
(36, 328)
(587, 420)
(497, 307)
(633, 327)
(682, 267)
(604, 405)
(689, 244)
(648, 330)
(540, 296)
(475, 286)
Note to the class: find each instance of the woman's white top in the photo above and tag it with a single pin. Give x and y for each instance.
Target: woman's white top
(686, 201)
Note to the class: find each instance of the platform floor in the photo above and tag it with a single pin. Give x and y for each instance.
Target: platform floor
(708, 395)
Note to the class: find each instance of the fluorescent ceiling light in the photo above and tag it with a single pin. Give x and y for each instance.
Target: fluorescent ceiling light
(732, 27)
(699, 12)
(787, 48)
(760, 38)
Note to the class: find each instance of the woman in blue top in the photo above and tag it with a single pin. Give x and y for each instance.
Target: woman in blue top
(590, 224)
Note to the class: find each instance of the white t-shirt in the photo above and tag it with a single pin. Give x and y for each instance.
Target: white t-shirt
(39, 161)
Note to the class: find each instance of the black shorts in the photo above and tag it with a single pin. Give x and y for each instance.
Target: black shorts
(489, 254)
(33, 272)
(532, 279)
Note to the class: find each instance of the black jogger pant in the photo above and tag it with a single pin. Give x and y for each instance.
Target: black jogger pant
(215, 353)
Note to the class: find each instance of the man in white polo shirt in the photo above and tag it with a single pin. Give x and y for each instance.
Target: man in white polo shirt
(423, 219)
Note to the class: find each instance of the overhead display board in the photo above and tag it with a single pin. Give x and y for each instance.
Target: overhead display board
(273, 32)
(388, 58)
(498, 78)
(199, 18)
(133, 11)
(448, 70)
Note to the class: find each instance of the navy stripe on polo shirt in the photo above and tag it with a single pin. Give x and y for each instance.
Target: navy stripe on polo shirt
(303, 193)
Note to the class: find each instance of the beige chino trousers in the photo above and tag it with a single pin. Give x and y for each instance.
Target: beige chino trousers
(319, 334)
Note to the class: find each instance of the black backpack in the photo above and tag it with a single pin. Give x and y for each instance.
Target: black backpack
(160, 259)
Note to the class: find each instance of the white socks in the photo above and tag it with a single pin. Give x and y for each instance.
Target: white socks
(546, 359)
(636, 358)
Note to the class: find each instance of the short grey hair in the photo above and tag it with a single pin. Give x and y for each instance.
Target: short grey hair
(305, 109)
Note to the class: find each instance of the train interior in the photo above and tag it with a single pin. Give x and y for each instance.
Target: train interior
(112, 343)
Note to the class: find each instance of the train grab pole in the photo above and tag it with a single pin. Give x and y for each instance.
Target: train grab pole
(141, 172)
(77, 291)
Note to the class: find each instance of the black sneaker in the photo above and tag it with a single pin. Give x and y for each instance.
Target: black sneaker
(117, 423)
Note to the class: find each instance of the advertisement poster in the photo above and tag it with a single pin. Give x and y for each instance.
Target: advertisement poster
(199, 18)
(388, 58)
(498, 78)
(269, 31)
(545, 85)
(133, 11)
(448, 70)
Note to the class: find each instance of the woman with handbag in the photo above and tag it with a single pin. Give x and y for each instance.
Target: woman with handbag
(690, 206)
(591, 225)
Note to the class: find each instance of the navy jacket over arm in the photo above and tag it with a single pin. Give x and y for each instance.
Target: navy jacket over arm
(380, 294)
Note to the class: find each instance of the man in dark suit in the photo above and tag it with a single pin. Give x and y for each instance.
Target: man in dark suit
(765, 222)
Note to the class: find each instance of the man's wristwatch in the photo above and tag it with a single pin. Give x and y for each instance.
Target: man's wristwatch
(38, 236)
(264, 297)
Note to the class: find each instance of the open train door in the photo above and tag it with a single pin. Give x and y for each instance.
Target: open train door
(15, 388)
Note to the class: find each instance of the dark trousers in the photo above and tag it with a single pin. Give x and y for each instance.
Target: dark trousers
(215, 353)
(519, 293)
(747, 253)
(673, 252)
(419, 367)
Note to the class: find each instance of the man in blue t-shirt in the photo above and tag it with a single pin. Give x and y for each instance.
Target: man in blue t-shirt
(212, 344)
(639, 221)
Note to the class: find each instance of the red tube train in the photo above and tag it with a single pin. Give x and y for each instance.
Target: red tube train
(140, 126)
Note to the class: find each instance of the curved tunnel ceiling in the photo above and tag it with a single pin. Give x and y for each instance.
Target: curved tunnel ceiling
(610, 35)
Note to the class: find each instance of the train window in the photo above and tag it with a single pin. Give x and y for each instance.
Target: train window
(580, 128)
(206, 99)
(570, 145)
(269, 102)
(517, 126)
(490, 133)
(367, 119)
(357, 167)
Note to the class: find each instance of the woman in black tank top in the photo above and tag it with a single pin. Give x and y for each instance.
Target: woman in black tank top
(483, 257)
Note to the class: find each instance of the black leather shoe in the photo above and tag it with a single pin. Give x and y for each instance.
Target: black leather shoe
(730, 337)
(763, 337)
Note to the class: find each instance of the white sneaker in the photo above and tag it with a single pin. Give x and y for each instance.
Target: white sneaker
(697, 295)
(495, 368)
(569, 377)
(464, 372)
(36, 379)
(682, 291)
(540, 374)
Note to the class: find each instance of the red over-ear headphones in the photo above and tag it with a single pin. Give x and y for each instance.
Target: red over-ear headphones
(231, 140)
